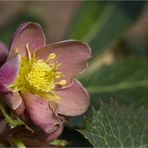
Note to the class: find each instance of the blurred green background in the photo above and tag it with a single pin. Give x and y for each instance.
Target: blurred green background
(118, 35)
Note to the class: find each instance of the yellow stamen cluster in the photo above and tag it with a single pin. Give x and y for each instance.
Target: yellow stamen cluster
(38, 76)
(41, 76)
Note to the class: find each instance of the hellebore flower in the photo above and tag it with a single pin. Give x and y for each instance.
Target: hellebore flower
(44, 86)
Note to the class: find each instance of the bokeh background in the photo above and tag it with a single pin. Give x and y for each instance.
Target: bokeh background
(118, 35)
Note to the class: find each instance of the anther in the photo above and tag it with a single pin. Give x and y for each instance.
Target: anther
(52, 56)
(62, 82)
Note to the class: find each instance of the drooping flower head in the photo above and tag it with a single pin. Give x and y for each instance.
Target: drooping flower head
(43, 83)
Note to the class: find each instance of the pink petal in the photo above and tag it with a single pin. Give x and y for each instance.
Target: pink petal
(39, 112)
(4, 89)
(20, 109)
(54, 134)
(9, 70)
(30, 33)
(13, 100)
(74, 100)
(3, 53)
(72, 54)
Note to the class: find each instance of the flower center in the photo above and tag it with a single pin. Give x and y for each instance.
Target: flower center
(41, 76)
(38, 76)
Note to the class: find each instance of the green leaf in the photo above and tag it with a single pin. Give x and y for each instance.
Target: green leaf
(101, 23)
(126, 81)
(117, 126)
